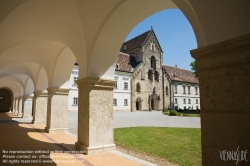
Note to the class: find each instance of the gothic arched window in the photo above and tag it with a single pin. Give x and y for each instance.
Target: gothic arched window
(138, 87)
(153, 62)
(156, 76)
(150, 77)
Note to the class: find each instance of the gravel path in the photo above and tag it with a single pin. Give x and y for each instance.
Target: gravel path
(133, 119)
(154, 118)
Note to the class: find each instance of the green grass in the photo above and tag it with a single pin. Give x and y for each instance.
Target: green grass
(178, 145)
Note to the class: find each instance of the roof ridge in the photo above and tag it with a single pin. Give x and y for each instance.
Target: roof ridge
(124, 53)
(137, 36)
(177, 67)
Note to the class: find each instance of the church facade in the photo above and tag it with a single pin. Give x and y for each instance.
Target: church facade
(143, 83)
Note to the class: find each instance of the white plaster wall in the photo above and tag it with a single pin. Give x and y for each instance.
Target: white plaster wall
(120, 93)
(73, 90)
(120, 101)
(72, 93)
(181, 96)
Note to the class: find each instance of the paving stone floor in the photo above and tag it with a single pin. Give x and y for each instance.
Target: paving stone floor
(28, 144)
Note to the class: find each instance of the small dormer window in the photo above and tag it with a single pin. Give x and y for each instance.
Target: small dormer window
(117, 66)
(124, 48)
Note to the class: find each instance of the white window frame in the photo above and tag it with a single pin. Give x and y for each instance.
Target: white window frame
(116, 83)
(115, 102)
(184, 89)
(175, 89)
(189, 90)
(124, 85)
(75, 100)
(125, 102)
(189, 101)
(196, 90)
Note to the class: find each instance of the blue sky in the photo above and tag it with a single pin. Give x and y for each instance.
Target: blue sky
(174, 34)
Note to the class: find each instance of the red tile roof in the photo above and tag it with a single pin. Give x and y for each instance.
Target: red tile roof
(135, 42)
(126, 62)
(178, 74)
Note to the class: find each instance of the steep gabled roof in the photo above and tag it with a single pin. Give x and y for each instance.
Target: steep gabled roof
(126, 62)
(178, 74)
(135, 42)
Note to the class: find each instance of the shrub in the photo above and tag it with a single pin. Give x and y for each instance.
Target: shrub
(165, 111)
(173, 113)
(180, 110)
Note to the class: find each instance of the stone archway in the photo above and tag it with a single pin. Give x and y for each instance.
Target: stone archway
(5, 100)
(138, 104)
(154, 102)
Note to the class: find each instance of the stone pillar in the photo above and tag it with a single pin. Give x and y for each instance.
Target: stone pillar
(17, 106)
(40, 100)
(27, 107)
(57, 110)
(20, 106)
(13, 106)
(224, 81)
(95, 115)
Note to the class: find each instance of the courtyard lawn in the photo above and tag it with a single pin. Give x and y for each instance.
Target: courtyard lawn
(178, 145)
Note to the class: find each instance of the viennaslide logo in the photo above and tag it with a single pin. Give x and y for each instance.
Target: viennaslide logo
(234, 155)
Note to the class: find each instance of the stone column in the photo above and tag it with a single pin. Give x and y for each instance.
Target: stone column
(17, 106)
(224, 81)
(20, 106)
(57, 110)
(95, 115)
(27, 107)
(13, 106)
(40, 100)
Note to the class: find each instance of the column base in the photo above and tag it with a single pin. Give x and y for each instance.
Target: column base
(56, 130)
(27, 117)
(94, 149)
(35, 122)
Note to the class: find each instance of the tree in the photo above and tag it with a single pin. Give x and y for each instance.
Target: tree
(194, 68)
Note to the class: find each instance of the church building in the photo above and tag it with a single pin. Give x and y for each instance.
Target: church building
(143, 83)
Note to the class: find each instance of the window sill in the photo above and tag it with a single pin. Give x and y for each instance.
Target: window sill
(74, 104)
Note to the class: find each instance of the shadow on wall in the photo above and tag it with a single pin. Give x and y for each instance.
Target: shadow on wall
(5, 100)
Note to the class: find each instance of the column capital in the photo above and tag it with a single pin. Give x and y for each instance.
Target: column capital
(225, 59)
(40, 94)
(27, 97)
(96, 83)
(57, 91)
(222, 54)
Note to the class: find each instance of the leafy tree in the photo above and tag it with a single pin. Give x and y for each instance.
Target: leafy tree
(194, 68)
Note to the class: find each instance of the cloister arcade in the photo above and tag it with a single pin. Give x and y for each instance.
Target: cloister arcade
(41, 40)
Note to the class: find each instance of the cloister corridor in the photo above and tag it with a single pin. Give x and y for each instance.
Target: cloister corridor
(41, 40)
